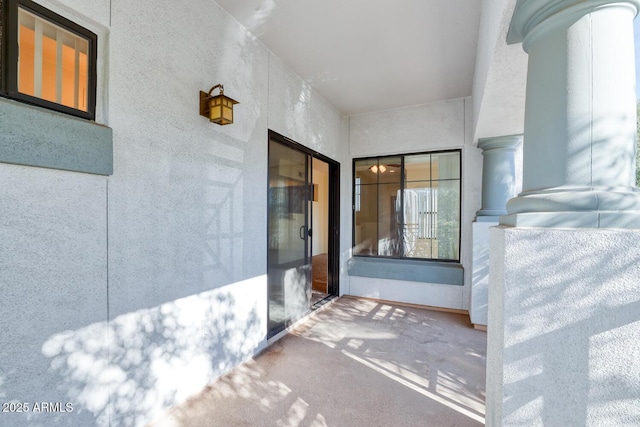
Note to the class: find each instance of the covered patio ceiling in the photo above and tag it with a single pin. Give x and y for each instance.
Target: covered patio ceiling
(371, 55)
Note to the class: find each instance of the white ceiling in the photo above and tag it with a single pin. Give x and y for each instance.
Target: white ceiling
(370, 55)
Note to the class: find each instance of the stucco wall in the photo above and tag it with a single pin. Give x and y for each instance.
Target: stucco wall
(437, 126)
(563, 327)
(299, 113)
(126, 294)
(499, 80)
(53, 282)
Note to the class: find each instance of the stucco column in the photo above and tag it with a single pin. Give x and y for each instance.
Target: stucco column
(498, 186)
(562, 347)
(579, 143)
(498, 174)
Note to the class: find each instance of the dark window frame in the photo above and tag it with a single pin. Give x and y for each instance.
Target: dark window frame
(402, 187)
(9, 54)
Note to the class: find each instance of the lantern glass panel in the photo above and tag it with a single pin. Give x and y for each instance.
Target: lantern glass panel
(227, 114)
(215, 112)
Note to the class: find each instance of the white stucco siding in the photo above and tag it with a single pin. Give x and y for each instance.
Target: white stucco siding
(299, 113)
(499, 79)
(97, 11)
(436, 126)
(53, 280)
(346, 217)
(471, 201)
(187, 204)
(289, 102)
(187, 197)
(431, 294)
(563, 327)
(162, 265)
(487, 38)
(430, 127)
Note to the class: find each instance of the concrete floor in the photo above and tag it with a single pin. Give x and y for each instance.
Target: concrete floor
(356, 363)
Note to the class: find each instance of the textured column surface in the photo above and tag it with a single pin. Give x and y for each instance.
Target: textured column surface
(562, 347)
(479, 302)
(498, 186)
(563, 324)
(498, 174)
(580, 127)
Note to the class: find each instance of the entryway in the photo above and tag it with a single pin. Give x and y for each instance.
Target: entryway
(303, 224)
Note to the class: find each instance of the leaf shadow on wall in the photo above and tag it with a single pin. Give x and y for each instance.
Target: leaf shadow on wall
(157, 356)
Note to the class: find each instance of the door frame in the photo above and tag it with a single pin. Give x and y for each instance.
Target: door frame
(333, 267)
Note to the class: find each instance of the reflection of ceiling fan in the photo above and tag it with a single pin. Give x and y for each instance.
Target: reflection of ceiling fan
(383, 168)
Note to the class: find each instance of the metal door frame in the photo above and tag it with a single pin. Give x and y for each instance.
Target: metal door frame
(333, 276)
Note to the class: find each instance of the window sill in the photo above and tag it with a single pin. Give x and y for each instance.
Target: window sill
(407, 269)
(34, 136)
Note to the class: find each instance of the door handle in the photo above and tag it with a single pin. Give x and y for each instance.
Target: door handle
(304, 233)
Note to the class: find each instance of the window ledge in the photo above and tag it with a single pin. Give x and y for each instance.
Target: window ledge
(34, 136)
(407, 269)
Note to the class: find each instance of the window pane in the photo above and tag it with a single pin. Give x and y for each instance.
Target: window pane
(48, 68)
(83, 75)
(26, 43)
(420, 216)
(389, 226)
(447, 195)
(53, 62)
(389, 170)
(363, 170)
(382, 170)
(366, 222)
(68, 76)
(445, 165)
(418, 168)
(421, 220)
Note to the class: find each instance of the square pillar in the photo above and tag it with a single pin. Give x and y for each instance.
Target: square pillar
(479, 304)
(498, 186)
(564, 325)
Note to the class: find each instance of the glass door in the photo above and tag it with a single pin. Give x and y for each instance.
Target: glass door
(289, 235)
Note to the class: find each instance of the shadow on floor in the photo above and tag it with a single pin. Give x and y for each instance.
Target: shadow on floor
(357, 363)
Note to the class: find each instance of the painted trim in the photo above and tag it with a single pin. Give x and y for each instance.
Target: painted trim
(410, 305)
(33, 136)
(407, 269)
(500, 143)
(532, 18)
(488, 218)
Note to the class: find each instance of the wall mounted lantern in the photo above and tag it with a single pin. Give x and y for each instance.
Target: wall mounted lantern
(219, 108)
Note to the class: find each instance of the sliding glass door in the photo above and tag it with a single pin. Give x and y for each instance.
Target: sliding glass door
(289, 235)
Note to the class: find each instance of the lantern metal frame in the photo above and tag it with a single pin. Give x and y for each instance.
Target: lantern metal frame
(224, 101)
